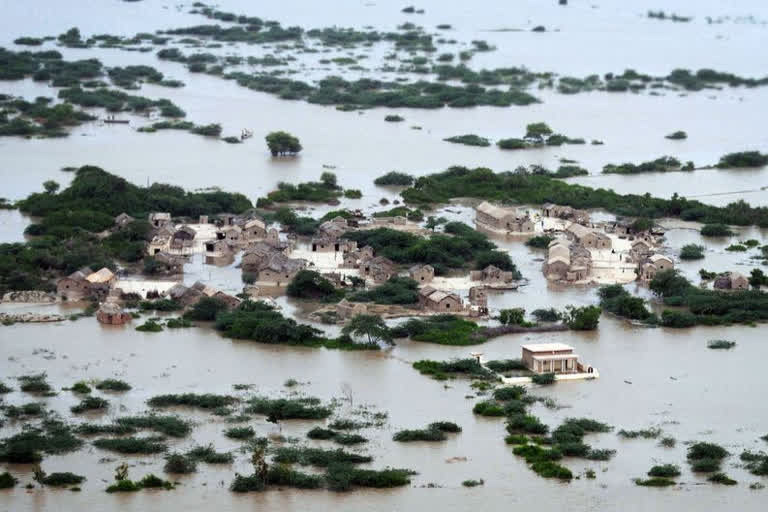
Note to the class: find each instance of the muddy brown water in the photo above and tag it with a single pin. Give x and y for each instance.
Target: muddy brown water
(649, 377)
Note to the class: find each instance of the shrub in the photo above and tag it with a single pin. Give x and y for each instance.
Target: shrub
(469, 140)
(34, 384)
(308, 284)
(583, 318)
(279, 474)
(488, 408)
(247, 483)
(543, 379)
(61, 479)
(509, 393)
(206, 309)
(539, 241)
(80, 387)
(150, 325)
(721, 344)
(112, 385)
(506, 365)
(702, 450)
(546, 315)
(705, 465)
(345, 424)
(132, 445)
(666, 471)
(240, 432)
(349, 439)
(442, 370)
(654, 482)
(91, 403)
(394, 178)
(716, 230)
(524, 423)
(692, 252)
(288, 408)
(321, 433)
(173, 426)
(316, 456)
(648, 433)
(209, 455)
(722, 478)
(151, 481)
(394, 118)
(29, 409)
(512, 144)
(425, 434)
(178, 463)
(283, 143)
(472, 483)
(7, 481)
(201, 401)
(124, 486)
(678, 135)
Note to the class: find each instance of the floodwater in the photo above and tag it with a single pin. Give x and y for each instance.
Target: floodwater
(649, 377)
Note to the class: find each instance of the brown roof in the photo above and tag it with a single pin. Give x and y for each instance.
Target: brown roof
(102, 276)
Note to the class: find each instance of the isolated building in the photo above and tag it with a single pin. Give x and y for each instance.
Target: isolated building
(550, 358)
(422, 273)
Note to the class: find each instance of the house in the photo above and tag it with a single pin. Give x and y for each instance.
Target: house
(327, 244)
(203, 219)
(159, 243)
(183, 237)
(422, 273)
(661, 262)
(557, 267)
(254, 229)
(731, 281)
(177, 291)
(273, 237)
(478, 296)
(587, 237)
(380, 269)
(229, 300)
(652, 265)
(565, 212)
(160, 220)
(279, 269)
(550, 358)
(346, 310)
(101, 282)
(75, 286)
(256, 255)
(226, 219)
(218, 248)
(503, 218)
(443, 302)
(567, 262)
(492, 274)
(123, 220)
(111, 313)
(167, 263)
(341, 221)
(639, 249)
(230, 233)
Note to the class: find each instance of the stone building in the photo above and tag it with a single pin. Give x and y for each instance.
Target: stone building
(101, 282)
(505, 219)
(587, 237)
(346, 310)
(731, 281)
(75, 286)
(551, 358)
(160, 220)
(111, 313)
(169, 264)
(380, 269)
(254, 229)
(492, 275)
(422, 273)
(183, 238)
(279, 269)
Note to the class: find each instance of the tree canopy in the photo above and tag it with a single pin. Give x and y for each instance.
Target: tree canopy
(283, 143)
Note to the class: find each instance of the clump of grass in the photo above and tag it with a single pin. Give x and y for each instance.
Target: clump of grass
(25, 410)
(91, 429)
(321, 433)
(516, 439)
(151, 325)
(668, 442)
(124, 486)
(520, 423)
(280, 474)
(179, 463)
(654, 482)
(442, 370)
(151, 481)
(665, 471)
(51, 436)
(646, 433)
(423, 434)
(172, 426)
(112, 385)
(35, 384)
(247, 483)
(222, 411)
(345, 424)
(316, 456)
(508, 393)
(201, 401)
(722, 478)
(349, 439)
(472, 483)
(80, 387)
(706, 457)
(4, 388)
(543, 379)
(90, 403)
(291, 383)
(209, 455)
(132, 445)
(721, 344)
(342, 477)
(308, 408)
(240, 432)
(61, 479)
(7, 480)
(488, 408)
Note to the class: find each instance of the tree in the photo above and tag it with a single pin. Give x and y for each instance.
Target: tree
(537, 131)
(308, 284)
(757, 278)
(206, 309)
(582, 319)
(329, 179)
(50, 186)
(283, 143)
(371, 327)
(514, 316)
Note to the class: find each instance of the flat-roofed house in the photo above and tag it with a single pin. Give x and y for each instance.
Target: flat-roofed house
(550, 358)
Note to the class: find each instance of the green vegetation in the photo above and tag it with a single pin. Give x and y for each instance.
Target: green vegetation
(583, 318)
(112, 385)
(199, 401)
(209, 455)
(51, 436)
(543, 379)
(34, 384)
(692, 252)
(506, 365)
(61, 479)
(736, 248)
(469, 140)
(459, 247)
(316, 456)
(151, 325)
(647, 433)
(90, 403)
(440, 329)
(206, 309)
(678, 135)
(716, 230)
(39, 118)
(80, 387)
(433, 432)
(371, 328)
(442, 370)
(283, 143)
(149, 481)
(173, 426)
(179, 464)
(394, 178)
(539, 241)
(132, 445)
(394, 119)
(721, 478)
(7, 480)
(240, 432)
(654, 482)
(546, 315)
(616, 299)
(706, 307)
(319, 192)
(30, 409)
(568, 171)
(706, 457)
(537, 135)
(472, 483)
(523, 187)
(304, 408)
(665, 471)
(337, 437)
(308, 284)
(663, 164)
(721, 344)
(743, 159)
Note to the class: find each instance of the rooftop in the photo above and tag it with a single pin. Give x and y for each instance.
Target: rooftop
(547, 347)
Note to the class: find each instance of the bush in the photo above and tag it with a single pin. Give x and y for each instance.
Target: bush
(288, 408)
(721, 344)
(279, 474)
(442, 370)
(743, 159)
(472, 483)
(240, 432)
(150, 325)
(283, 143)
(702, 450)
(316, 456)
(201, 401)
(7, 481)
(61, 479)
(308, 284)
(124, 486)
(321, 433)
(394, 119)
(488, 408)
(209, 455)
(543, 379)
(394, 178)
(247, 483)
(112, 385)
(34, 384)
(692, 252)
(132, 445)
(173, 426)
(539, 241)
(206, 309)
(469, 140)
(716, 230)
(546, 315)
(678, 135)
(721, 478)
(654, 482)
(397, 290)
(509, 393)
(583, 318)
(647, 433)
(91, 403)
(524, 423)
(506, 365)
(180, 464)
(666, 471)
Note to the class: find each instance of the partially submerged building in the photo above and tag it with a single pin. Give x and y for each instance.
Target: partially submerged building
(75, 286)
(567, 262)
(254, 229)
(278, 269)
(504, 219)
(552, 358)
(588, 237)
(101, 282)
(183, 238)
(111, 313)
(168, 264)
(649, 266)
(731, 281)
(492, 275)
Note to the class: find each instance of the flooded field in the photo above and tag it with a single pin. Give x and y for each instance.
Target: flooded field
(649, 377)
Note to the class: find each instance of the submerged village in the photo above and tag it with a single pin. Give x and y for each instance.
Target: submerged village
(263, 260)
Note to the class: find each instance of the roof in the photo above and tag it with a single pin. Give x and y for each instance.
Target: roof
(77, 275)
(279, 262)
(578, 230)
(559, 250)
(110, 308)
(416, 268)
(102, 276)
(555, 259)
(186, 229)
(657, 257)
(123, 217)
(160, 216)
(546, 347)
(177, 291)
(255, 223)
(494, 211)
(427, 290)
(640, 241)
